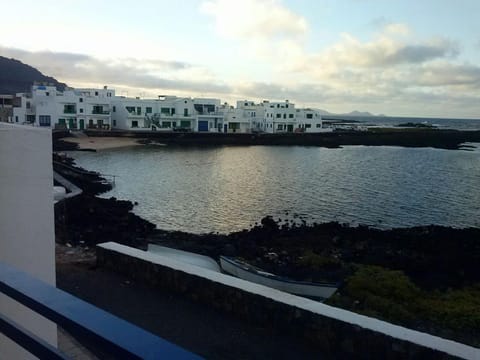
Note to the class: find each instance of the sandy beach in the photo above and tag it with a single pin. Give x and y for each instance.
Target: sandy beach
(102, 143)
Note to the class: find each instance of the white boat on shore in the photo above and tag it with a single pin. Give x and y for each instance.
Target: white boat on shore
(250, 273)
(185, 257)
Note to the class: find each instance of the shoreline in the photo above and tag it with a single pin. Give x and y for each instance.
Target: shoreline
(425, 263)
(404, 137)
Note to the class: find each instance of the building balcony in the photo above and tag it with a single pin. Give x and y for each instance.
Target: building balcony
(100, 112)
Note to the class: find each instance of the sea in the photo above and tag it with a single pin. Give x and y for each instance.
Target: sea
(390, 121)
(230, 188)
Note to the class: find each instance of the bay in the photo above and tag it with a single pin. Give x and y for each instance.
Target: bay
(225, 189)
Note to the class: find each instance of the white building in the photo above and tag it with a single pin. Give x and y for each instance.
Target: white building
(101, 109)
(248, 117)
(279, 117)
(70, 109)
(26, 223)
(167, 113)
(310, 121)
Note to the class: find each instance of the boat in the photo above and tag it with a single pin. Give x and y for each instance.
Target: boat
(184, 256)
(250, 273)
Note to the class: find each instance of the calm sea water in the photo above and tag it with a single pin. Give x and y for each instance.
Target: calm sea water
(459, 124)
(226, 189)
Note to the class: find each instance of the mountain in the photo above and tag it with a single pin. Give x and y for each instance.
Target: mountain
(323, 112)
(16, 76)
(359, 113)
(352, 113)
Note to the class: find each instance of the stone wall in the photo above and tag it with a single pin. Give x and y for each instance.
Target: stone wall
(337, 333)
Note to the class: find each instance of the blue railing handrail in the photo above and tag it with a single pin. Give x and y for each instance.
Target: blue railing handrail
(108, 333)
(29, 341)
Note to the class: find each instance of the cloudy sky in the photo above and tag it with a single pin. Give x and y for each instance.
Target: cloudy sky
(396, 57)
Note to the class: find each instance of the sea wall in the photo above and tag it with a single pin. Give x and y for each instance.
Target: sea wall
(437, 138)
(336, 333)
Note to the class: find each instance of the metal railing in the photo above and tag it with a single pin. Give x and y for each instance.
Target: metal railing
(103, 331)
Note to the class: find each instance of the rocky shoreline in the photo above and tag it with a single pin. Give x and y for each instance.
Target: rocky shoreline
(421, 277)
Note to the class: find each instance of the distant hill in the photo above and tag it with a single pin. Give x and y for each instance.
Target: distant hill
(353, 113)
(16, 76)
(359, 113)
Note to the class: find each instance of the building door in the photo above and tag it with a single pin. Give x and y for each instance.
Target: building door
(70, 124)
(82, 124)
(203, 126)
(290, 128)
(225, 128)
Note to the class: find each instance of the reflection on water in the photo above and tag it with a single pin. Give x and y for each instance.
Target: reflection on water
(230, 188)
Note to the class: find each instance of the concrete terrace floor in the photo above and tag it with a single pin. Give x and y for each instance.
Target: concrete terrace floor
(196, 327)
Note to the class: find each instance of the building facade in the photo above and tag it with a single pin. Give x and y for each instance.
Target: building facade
(80, 109)
(27, 224)
(72, 109)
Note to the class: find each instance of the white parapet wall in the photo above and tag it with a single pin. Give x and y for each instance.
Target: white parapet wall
(27, 239)
(308, 315)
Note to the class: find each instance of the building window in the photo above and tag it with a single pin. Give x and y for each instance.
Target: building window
(69, 109)
(148, 110)
(109, 94)
(279, 116)
(174, 124)
(309, 116)
(134, 124)
(81, 110)
(185, 112)
(96, 93)
(139, 110)
(290, 116)
(114, 109)
(284, 116)
(16, 118)
(130, 109)
(280, 127)
(98, 109)
(319, 126)
(286, 106)
(166, 124)
(308, 126)
(47, 93)
(114, 122)
(44, 120)
(28, 104)
(81, 99)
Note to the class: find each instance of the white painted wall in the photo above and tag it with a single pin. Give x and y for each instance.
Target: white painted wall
(27, 239)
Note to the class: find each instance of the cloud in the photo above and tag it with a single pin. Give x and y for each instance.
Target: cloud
(445, 75)
(386, 51)
(254, 19)
(153, 74)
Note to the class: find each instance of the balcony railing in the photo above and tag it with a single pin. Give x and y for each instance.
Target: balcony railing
(100, 112)
(107, 334)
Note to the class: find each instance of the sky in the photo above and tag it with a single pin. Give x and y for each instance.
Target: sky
(393, 57)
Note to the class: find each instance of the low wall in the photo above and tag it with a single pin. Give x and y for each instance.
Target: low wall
(337, 333)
